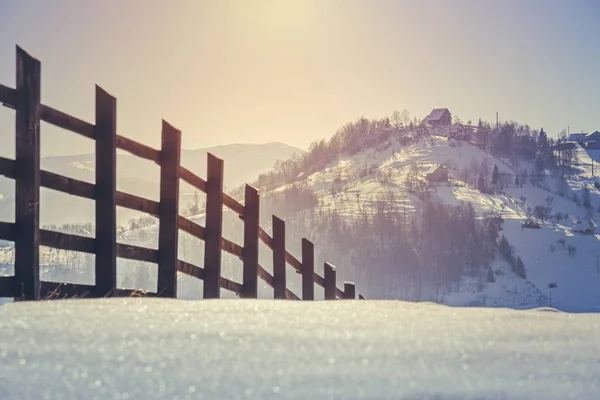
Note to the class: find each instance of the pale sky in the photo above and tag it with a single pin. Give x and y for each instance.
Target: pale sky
(293, 71)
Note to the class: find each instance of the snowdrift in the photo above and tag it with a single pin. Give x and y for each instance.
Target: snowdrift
(253, 349)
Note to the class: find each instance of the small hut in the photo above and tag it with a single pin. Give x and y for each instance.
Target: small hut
(437, 174)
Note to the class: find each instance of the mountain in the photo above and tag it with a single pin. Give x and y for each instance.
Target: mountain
(242, 163)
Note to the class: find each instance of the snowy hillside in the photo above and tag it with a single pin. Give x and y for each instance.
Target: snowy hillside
(174, 349)
(343, 186)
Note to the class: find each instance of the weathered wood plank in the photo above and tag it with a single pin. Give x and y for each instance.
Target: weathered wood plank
(8, 96)
(230, 285)
(7, 286)
(265, 276)
(138, 149)
(214, 228)
(233, 204)
(192, 179)
(319, 280)
(133, 202)
(232, 248)
(70, 186)
(27, 185)
(308, 270)
(361, 297)
(137, 253)
(330, 281)
(65, 121)
(7, 231)
(190, 269)
(7, 167)
(191, 227)
(58, 290)
(105, 132)
(289, 295)
(67, 241)
(339, 293)
(265, 238)
(250, 250)
(349, 290)
(293, 261)
(279, 259)
(168, 231)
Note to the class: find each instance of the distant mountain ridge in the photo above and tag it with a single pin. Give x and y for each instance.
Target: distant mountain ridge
(242, 163)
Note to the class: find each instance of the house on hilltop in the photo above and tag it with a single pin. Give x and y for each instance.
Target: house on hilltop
(438, 117)
(577, 137)
(437, 174)
(593, 137)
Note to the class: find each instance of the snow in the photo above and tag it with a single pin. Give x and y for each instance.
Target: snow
(577, 278)
(507, 291)
(266, 349)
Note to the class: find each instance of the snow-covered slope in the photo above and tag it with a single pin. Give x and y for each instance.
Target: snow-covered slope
(577, 278)
(234, 349)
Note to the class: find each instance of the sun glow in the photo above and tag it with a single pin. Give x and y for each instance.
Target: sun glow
(278, 15)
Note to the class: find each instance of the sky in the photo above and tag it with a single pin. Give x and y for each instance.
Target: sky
(294, 71)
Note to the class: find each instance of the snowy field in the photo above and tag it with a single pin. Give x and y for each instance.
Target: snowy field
(253, 349)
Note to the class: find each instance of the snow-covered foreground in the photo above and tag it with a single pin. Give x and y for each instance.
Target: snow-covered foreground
(253, 349)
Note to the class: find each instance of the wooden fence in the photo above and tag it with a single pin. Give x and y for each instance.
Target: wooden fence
(28, 237)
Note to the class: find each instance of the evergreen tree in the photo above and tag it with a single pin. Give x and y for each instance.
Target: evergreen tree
(505, 250)
(586, 199)
(517, 180)
(539, 164)
(495, 175)
(542, 140)
(490, 275)
(520, 268)
(471, 259)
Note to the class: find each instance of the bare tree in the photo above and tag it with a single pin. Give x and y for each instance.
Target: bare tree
(405, 117)
(396, 119)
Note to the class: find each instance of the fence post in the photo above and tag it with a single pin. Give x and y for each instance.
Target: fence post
(251, 221)
(27, 182)
(308, 270)
(168, 233)
(279, 265)
(214, 228)
(330, 281)
(349, 291)
(105, 133)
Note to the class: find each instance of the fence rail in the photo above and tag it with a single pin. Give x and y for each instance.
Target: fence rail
(28, 237)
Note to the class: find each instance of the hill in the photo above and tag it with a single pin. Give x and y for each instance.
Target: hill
(380, 181)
